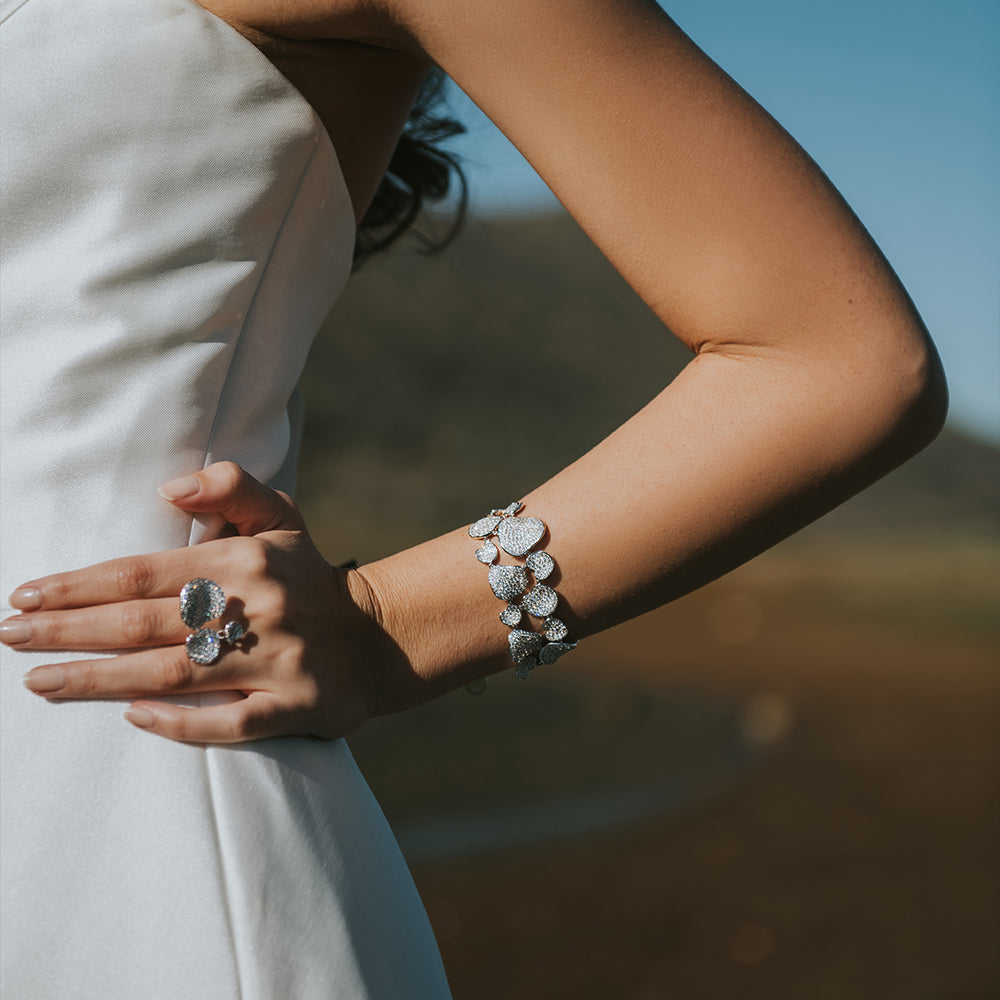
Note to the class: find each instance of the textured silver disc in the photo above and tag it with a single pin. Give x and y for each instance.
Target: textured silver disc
(524, 646)
(551, 651)
(201, 601)
(232, 633)
(511, 615)
(508, 582)
(485, 526)
(518, 535)
(555, 630)
(523, 670)
(541, 564)
(540, 601)
(487, 553)
(203, 646)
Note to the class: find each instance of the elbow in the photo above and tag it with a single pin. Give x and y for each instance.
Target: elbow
(919, 394)
(930, 404)
(907, 400)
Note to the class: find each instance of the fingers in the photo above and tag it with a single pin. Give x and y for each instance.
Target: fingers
(154, 673)
(156, 575)
(125, 625)
(255, 717)
(133, 603)
(148, 673)
(224, 488)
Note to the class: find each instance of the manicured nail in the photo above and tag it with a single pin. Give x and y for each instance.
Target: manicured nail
(140, 717)
(178, 489)
(26, 599)
(43, 680)
(15, 630)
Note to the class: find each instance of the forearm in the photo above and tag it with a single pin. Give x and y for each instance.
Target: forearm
(813, 374)
(741, 450)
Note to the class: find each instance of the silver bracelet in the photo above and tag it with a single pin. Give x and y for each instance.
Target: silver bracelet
(518, 536)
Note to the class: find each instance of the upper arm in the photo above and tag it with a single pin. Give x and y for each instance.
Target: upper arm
(707, 207)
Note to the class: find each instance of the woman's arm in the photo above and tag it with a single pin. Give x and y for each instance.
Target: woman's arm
(812, 375)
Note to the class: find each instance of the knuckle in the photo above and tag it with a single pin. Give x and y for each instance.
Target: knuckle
(230, 475)
(346, 721)
(255, 558)
(291, 506)
(237, 730)
(308, 690)
(174, 671)
(138, 627)
(178, 727)
(56, 592)
(289, 671)
(326, 727)
(82, 679)
(272, 607)
(133, 577)
(248, 723)
(330, 721)
(46, 632)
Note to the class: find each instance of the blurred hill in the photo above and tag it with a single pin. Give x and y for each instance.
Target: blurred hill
(479, 372)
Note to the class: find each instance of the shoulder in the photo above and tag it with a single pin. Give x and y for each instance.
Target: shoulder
(369, 22)
(420, 26)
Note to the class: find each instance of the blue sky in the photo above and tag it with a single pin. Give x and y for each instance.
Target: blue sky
(899, 102)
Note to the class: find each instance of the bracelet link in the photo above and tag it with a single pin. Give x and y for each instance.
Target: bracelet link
(521, 587)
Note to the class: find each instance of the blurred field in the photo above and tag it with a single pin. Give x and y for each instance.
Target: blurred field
(854, 851)
(786, 785)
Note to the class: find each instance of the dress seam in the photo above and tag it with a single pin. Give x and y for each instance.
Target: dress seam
(237, 345)
(15, 6)
(220, 853)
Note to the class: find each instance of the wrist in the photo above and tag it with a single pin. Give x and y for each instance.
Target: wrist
(439, 615)
(363, 594)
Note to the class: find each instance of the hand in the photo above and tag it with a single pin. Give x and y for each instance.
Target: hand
(308, 664)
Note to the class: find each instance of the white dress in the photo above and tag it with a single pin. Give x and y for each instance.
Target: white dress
(176, 225)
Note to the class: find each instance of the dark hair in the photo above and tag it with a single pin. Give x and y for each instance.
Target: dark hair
(419, 174)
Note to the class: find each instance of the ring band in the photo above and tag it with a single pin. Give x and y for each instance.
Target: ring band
(203, 601)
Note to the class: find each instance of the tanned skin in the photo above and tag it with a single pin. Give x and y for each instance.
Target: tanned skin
(811, 373)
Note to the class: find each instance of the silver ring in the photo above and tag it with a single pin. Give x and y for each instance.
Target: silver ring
(203, 601)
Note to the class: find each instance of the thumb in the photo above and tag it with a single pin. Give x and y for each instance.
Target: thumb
(224, 488)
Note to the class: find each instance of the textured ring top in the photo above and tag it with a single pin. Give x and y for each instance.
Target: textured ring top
(203, 601)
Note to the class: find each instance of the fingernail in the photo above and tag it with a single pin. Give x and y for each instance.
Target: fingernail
(140, 717)
(43, 680)
(26, 599)
(14, 631)
(178, 489)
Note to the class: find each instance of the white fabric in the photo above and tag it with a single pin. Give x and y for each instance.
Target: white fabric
(175, 227)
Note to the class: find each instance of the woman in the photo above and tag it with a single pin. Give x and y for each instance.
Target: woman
(178, 211)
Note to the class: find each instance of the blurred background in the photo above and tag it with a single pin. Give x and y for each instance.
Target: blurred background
(786, 784)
